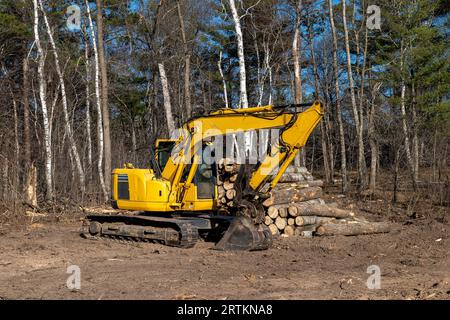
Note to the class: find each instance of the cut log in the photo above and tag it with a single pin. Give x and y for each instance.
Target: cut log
(293, 211)
(273, 229)
(229, 168)
(228, 185)
(300, 229)
(272, 212)
(280, 223)
(221, 163)
(293, 194)
(333, 204)
(291, 177)
(309, 220)
(291, 221)
(295, 169)
(268, 221)
(233, 177)
(230, 194)
(322, 220)
(269, 202)
(289, 230)
(282, 212)
(318, 210)
(315, 183)
(223, 200)
(352, 228)
(305, 220)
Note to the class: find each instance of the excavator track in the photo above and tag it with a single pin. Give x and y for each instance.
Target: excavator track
(235, 233)
(181, 232)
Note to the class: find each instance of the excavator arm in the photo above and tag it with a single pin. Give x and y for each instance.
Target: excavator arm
(295, 128)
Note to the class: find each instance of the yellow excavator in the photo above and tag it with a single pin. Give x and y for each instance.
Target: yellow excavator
(176, 200)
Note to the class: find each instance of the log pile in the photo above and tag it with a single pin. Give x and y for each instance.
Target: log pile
(295, 208)
(226, 177)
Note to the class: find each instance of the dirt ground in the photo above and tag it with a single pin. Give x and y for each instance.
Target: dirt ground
(414, 260)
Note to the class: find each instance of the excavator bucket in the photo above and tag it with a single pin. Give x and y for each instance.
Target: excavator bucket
(242, 234)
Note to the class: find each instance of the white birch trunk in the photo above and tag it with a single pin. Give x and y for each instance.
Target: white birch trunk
(296, 55)
(300, 158)
(242, 73)
(16, 147)
(67, 125)
(98, 105)
(404, 119)
(225, 93)
(241, 56)
(356, 114)
(43, 99)
(405, 126)
(88, 106)
(166, 95)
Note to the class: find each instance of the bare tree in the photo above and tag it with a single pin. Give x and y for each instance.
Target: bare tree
(300, 159)
(372, 140)
(88, 101)
(29, 197)
(100, 134)
(187, 64)
(356, 113)
(241, 55)
(166, 95)
(338, 102)
(225, 93)
(242, 72)
(43, 100)
(323, 123)
(104, 96)
(404, 117)
(67, 124)
(296, 55)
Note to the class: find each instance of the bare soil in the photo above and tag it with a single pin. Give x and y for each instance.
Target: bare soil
(414, 260)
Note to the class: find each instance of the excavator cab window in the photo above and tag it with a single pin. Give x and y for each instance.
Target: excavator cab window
(163, 152)
(205, 178)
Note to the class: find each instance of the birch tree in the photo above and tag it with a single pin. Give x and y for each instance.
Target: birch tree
(166, 95)
(97, 104)
(43, 100)
(300, 159)
(67, 124)
(241, 55)
(224, 83)
(407, 142)
(242, 72)
(88, 101)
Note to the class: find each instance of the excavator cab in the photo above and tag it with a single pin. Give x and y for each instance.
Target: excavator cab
(162, 151)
